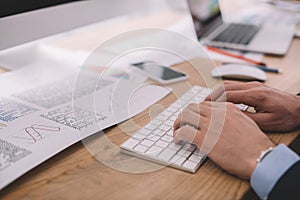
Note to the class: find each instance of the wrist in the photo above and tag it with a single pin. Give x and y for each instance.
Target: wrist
(271, 168)
(261, 153)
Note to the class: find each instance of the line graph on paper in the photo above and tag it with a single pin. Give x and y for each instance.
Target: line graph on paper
(36, 132)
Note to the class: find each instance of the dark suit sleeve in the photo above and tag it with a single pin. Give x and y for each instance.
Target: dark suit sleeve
(288, 186)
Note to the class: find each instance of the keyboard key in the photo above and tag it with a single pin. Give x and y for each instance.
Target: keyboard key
(184, 101)
(154, 150)
(195, 158)
(156, 122)
(176, 105)
(199, 153)
(140, 148)
(165, 128)
(167, 113)
(173, 118)
(161, 144)
(175, 146)
(161, 117)
(144, 131)
(200, 99)
(166, 154)
(167, 138)
(130, 143)
(193, 101)
(147, 143)
(242, 107)
(205, 92)
(138, 136)
(187, 95)
(172, 109)
(197, 89)
(153, 137)
(159, 132)
(184, 153)
(169, 123)
(170, 133)
(189, 147)
(178, 160)
(202, 95)
(190, 164)
(150, 127)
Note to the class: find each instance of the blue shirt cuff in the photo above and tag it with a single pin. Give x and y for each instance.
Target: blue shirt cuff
(272, 167)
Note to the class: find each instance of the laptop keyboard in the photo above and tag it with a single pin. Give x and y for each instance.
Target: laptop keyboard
(154, 141)
(237, 34)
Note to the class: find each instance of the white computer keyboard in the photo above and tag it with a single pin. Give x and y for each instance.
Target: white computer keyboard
(154, 141)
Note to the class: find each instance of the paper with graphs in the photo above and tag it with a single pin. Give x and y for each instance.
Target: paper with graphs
(46, 107)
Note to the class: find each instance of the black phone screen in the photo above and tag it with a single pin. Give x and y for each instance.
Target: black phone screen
(159, 71)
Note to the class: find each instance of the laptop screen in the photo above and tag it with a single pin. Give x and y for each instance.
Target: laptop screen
(206, 14)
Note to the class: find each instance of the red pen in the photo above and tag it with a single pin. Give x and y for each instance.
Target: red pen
(226, 53)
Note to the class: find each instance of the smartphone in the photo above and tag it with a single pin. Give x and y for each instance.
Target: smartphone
(159, 73)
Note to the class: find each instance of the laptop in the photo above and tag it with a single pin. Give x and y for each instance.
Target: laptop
(212, 31)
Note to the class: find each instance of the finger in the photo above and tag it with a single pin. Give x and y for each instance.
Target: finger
(202, 109)
(212, 104)
(229, 85)
(235, 85)
(216, 93)
(194, 108)
(245, 97)
(176, 124)
(232, 86)
(186, 133)
(205, 107)
(188, 117)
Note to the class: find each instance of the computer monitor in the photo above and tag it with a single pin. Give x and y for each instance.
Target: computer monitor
(13, 7)
(23, 21)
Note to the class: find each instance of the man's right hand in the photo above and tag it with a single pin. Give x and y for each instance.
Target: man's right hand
(275, 110)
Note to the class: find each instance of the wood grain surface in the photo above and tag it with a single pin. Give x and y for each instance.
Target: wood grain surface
(77, 173)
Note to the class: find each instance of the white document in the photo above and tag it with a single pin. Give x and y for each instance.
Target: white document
(46, 108)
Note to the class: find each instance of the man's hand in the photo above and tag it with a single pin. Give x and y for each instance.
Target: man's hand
(275, 110)
(229, 138)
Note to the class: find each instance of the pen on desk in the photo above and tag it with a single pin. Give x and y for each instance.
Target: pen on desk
(268, 69)
(226, 53)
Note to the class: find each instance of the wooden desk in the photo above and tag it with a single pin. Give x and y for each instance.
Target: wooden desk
(75, 174)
